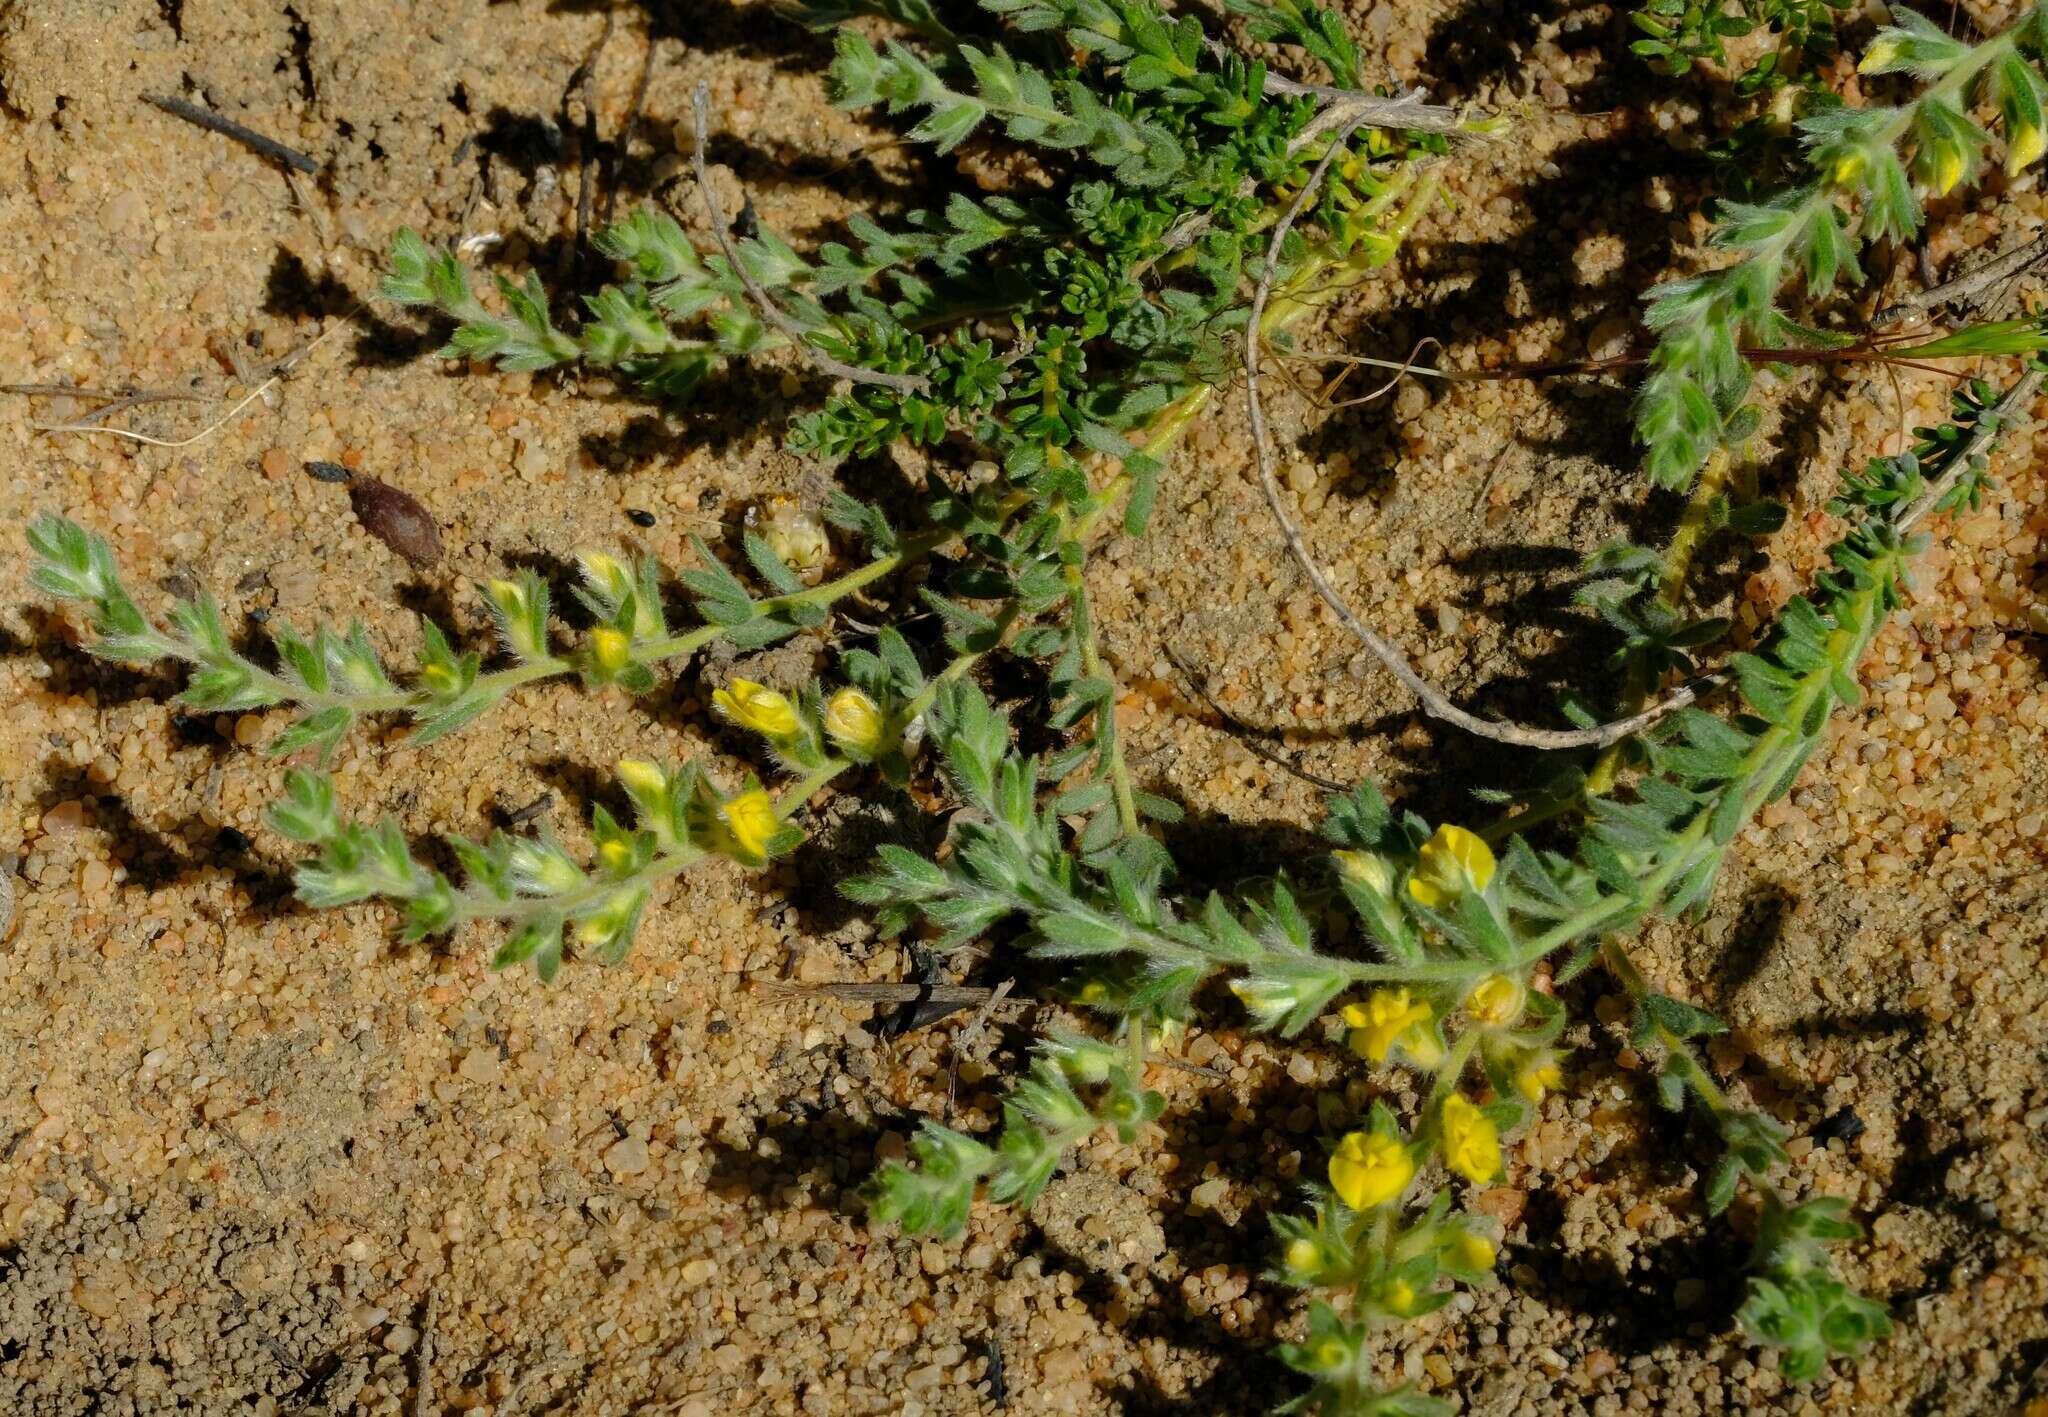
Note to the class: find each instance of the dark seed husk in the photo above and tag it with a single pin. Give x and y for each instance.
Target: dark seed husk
(397, 519)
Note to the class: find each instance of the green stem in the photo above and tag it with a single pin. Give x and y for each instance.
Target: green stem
(913, 547)
(1678, 561)
(1108, 743)
(1765, 762)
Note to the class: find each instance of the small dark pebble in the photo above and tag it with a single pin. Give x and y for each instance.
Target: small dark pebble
(260, 616)
(708, 498)
(717, 1026)
(179, 586)
(530, 810)
(638, 517)
(395, 518)
(1844, 1126)
(234, 840)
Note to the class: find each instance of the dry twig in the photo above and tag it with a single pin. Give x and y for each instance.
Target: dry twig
(228, 128)
(1434, 701)
(278, 371)
(770, 311)
(1915, 307)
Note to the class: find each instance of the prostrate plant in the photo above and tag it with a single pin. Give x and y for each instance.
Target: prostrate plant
(1061, 344)
(1861, 191)
(1682, 33)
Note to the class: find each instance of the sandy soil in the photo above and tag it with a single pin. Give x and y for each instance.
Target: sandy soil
(254, 1158)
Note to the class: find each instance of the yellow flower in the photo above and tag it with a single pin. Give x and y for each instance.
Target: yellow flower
(1369, 1169)
(1495, 1001)
(755, 707)
(1848, 167)
(610, 650)
(1538, 1076)
(1471, 1142)
(1475, 1251)
(617, 856)
(1331, 1354)
(2023, 146)
(854, 723)
(1453, 862)
(751, 822)
(1367, 869)
(1387, 1018)
(1878, 57)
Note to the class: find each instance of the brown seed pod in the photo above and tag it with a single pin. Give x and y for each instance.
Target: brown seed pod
(395, 518)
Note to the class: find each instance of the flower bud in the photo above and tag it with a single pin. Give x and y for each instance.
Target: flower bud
(2024, 144)
(855, 724)
(611, 652)
(1303, 1259)
(1366, 868)
(793, 534)
(758, 709)
(751, 823)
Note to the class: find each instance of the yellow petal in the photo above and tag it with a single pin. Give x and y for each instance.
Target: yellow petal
(1471, 1142)
(1370, 1169)
(1495, 1001)
(1948, 169)
(757, 708)
(1538, 1077)
(610, 650)
(2023, 148)
(1379, 1023)
(1450, 863)
(1475, 1251)
(1878, 56)
(751, 821)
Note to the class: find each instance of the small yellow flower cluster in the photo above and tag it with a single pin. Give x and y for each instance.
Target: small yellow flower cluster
(1371, 1168)
(853, 722)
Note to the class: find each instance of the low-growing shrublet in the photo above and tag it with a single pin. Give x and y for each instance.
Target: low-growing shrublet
(1064, 336)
